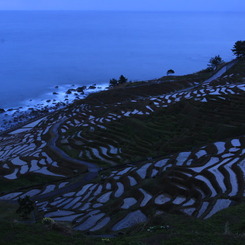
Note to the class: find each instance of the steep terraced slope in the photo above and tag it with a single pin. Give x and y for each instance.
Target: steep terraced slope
(114, 165)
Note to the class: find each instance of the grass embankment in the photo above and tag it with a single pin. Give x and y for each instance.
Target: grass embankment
(226, 227)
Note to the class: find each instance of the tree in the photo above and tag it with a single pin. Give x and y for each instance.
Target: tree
(170, 72)
(239, 49)
(26, 206)
(215, 62)
(113, 83)
(122, 79)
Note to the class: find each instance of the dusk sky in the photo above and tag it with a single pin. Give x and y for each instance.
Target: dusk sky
(151, 5)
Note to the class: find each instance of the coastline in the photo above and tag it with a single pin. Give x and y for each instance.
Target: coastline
(33, 109)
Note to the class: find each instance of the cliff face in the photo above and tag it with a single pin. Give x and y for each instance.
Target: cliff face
(124, 156)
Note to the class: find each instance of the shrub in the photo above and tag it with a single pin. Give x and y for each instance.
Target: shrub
(47, 221)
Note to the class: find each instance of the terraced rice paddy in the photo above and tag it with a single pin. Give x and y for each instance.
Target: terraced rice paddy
(116, 165)
(157, 126)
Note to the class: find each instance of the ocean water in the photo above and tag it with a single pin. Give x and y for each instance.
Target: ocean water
(42, 49)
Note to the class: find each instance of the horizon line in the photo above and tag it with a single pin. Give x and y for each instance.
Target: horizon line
(117, 10)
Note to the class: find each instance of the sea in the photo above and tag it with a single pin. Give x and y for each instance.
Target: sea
(40, 50)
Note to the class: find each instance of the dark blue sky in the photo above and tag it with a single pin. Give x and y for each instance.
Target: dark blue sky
(163, 5)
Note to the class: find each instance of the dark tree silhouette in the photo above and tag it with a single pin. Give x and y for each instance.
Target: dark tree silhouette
(239, 49)
(26, 206)
(122, 79)
(214, 62)
(169, 72)
(113, 83)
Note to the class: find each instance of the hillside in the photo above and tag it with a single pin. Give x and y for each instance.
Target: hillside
(149, 154)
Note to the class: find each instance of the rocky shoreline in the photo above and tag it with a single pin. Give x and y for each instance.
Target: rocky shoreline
(32, 109)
